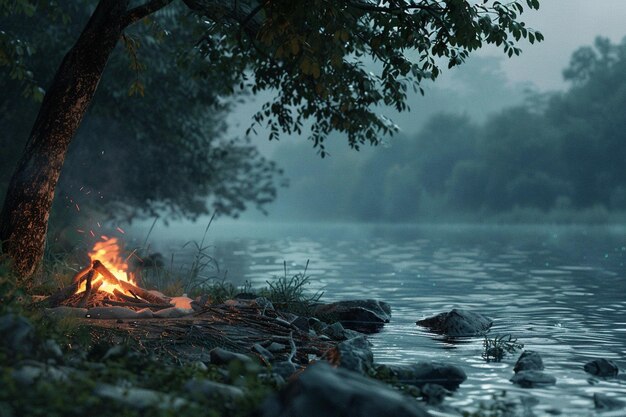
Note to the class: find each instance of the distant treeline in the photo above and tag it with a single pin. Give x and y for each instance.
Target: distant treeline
(559, 151)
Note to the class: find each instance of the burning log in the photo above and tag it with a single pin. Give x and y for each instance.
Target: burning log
(127, 286)
(57, 298)
(83, 301)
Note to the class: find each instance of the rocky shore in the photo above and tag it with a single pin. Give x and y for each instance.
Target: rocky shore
(243, 357)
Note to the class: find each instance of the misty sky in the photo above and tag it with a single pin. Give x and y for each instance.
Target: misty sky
(489, 81)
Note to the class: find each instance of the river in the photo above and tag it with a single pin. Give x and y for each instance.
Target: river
(560, 290)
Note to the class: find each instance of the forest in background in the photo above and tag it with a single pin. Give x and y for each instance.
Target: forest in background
(556, 157)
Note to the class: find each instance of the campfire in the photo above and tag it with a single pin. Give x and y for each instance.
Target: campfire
(179, 327)
(107, 281)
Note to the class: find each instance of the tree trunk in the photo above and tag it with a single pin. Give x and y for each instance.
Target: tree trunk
(24, 217)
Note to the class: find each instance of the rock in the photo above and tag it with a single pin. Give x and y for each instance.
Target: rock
(301, 323)
(111, 313)
(219, 356)
(434, 394)
(276, 347)
(64, 311)
(285, 369)
(533, 379)
(457, 323)
(30, 372)
(199, 365)
(208, 388)
(173, 312)
(528, 361)
(604, 402)
(138, 398)
(422, 373)
(353, 354)
(18, 334)
(602, 368)
(363, 315)
(335, 331)
(52, 349)
(264, 304)
(322, 390)
(266, 354)
(145, 313)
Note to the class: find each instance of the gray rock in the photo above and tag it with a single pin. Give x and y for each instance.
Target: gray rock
(301, 323)
(264, 304)
(145, 313)
(533, 379)
(322, 390)
(602, 368)
(64, 311)
(604, 402)
(18, 334)
(434, 394)
(335, 331)
(276, 347)
(27, 374)
(266, 354)
(111, 313)
(356, 314)
(52, 349)
(208, 388)
(285, 369)
(528, 361)
(353, 354)
(457, 323)
(138, 398)
(422, 373)
(199, 365)
(219, 356)
(173, 312)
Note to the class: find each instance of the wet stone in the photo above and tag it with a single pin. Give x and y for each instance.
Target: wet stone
(422, 373)
(457, 323)
(604, 402)
(533, 379)
(602, 368)
(528, 361)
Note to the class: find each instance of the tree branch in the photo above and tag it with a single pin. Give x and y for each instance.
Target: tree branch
(144, 10)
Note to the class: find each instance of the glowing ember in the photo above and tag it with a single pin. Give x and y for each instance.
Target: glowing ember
(108, 252)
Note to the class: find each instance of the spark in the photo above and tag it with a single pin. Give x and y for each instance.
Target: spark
(119, 229)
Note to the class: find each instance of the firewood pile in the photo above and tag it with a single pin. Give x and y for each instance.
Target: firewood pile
(70, 296)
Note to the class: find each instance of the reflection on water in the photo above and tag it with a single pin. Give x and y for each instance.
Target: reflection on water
(561, 292)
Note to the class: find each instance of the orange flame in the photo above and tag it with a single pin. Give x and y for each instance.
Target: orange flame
(108, 252)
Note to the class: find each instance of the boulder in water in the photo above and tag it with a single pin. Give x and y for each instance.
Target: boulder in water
(602, 368)
(604, 402)
(363, 315)
(528, 361)
(423, 373)
(457, 323)
(533, 379)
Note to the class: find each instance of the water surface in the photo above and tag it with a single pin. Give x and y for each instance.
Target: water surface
(560, 290)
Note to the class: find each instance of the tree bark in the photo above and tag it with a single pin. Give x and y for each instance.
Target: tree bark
(24, 217)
